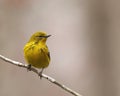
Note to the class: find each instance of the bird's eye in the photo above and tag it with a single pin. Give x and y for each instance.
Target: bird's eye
(39, 36)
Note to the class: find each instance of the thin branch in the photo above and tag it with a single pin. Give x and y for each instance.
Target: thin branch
(43, 75)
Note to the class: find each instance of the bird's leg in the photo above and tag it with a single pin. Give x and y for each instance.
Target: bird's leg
(40, 73)
(29, 67)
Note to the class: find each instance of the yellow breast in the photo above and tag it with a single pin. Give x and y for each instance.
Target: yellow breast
(36, 55)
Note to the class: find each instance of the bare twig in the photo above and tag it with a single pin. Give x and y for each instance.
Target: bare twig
(43, 75)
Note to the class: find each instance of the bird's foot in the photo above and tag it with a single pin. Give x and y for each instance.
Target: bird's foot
(40, 73)
(29, 68)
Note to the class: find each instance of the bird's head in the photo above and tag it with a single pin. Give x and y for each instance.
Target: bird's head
(39, 37)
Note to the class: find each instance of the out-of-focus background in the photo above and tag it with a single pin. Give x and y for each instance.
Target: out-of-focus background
(84, 46)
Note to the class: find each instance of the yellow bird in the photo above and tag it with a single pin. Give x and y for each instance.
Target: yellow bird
(36, 51)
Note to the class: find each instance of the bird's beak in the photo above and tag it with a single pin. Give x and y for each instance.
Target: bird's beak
(47, 36)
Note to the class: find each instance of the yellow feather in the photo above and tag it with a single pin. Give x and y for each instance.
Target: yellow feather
(36, 51)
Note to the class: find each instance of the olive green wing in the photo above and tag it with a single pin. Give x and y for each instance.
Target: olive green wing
(46, 51)
(48, 55)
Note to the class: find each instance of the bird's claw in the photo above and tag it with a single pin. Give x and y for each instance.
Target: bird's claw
(40, 73)
(29, 68)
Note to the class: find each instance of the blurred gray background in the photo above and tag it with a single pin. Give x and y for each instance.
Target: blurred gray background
(84, 46)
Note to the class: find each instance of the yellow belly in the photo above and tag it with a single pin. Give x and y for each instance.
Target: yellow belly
(37, 57)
